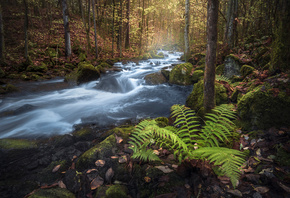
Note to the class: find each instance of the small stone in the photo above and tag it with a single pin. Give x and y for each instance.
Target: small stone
(109, 175)
(235, 193)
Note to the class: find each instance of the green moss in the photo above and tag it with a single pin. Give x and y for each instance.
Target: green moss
(51, 52)
(13, 76)
(233, 57)
(85, 73)
(180, 74)
(105, 65)
(246, 70)
(123, 131)
(52, 193)
(197, 75)
(117, 191)
(262, 109)
(82, 57)
(104, 149)
(195, 99)
(146, 56)
(197, 58)
(17, 144)
(162, 121)
(69, 65)
(283, 157)
(220, 69)
(11, 88)
(34, 68)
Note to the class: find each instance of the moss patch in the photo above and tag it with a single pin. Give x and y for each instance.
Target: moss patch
(197, 75)
(104, 149)
(180, 74)
(195, 99)
(34, 68)
(17, 144)
(246, 70)
(116, 191)
(263, 109)
(220, 69)
(52, 193)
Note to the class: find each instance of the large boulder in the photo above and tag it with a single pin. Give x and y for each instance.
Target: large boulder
(86, 72)
(195, 99)
(231, 66)
(155, 78)
(264, 108)
(181, 74)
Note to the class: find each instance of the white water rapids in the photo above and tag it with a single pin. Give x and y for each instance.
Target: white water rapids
(114, 98)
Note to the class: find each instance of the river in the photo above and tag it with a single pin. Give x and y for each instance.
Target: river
(111, 100)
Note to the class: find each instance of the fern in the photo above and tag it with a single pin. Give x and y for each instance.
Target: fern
(186, 133)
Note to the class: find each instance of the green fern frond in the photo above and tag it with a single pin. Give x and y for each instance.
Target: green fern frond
(229, 160)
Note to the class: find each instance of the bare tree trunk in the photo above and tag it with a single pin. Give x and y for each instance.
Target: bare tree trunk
(26, 30)
(209, 75)
(89, 27)
(2, 48)
(66, 29)
(231, 22)
(113, 28)
(121, 27)
(186, 31)
(95, 27)
(82, 11)
(127, 41)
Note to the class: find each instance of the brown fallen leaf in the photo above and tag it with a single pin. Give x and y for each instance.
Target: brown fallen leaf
(123, 159)
(147, 179)
(56, 168)
(164, 169)
(109, 175)
(97, 182)
(118, 139)
(91, 170)
(262, 189)
(286, 188)
(61, 184)
(100, 163)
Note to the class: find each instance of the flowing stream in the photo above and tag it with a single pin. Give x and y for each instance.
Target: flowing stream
(113, 99)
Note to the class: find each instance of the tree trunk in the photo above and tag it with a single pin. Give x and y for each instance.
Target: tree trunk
(1, 37)
(113, 28)
(186, 31)
(127, 41)
(280, 57)
(209, 75)
(26, 30)
(82, 11)
(89, 27)
(120, 27)
(231, 22)
(95, 27)
(66, 29)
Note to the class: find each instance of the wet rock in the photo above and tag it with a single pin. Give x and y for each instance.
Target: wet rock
(155, 78)
(72, 180)
(24, 109)
(236, 193)
(180, 74)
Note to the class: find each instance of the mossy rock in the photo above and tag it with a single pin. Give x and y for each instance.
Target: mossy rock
(236, 95)
(165, 72)
(155, 78)
(219, 70)
(123, 131)
(11, 144)
(34, 68)
(117, 191)
(146, 56)
(197, 75)
(180, 74)
(10, 88)
(86, 72)
(83, 134)
(13, 76)
(69, 65)
(47, 176)
(195, 99)
(232, 66)
(99, 151)
(2, 73)
(260, 108)
(196, 58)
(82, 57)
(52, 193)
(246, 70)
(105, 65)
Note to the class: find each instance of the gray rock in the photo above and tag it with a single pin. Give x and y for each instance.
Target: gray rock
(232, 67)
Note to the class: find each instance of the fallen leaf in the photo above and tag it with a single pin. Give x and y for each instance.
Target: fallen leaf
(262, 189)
(100, 163)
(118, 139)
(109, 175)
(123, 159)
(97, 182)
(91, 170)
(164, 169)
(286, 188)
(61, 184)
(156, 152)
(147, 179)
(56, 168)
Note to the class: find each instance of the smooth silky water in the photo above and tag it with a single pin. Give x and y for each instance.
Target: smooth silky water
(113, 99)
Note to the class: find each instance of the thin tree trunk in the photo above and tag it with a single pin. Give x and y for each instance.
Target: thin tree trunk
(95, 27)
(66, 29)
(89, 27)
(113, 28)
(2, 48)
(82, 11)
(230, 25)
(127, 41)
(186, 31)
(121, 28)
(209, 75)
(26, 30)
